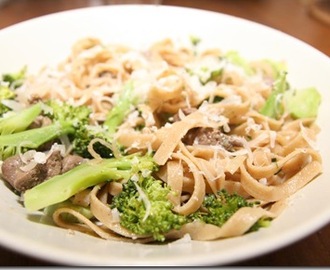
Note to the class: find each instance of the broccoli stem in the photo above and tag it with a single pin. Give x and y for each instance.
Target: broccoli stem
(31, 138)
(20, 121)
(35, 137)
(120, 110)
(61, 187)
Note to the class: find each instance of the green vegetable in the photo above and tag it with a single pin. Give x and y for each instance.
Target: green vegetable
(8, 83)
(143, 204)
(303, 103)
(277, 67)
(235, 58)
(206, 74)
(5, 94)
(273, 106)
(32, 138)
(14, 133)
(145, 209)
(195, 40)
(300, 103)
(85, 134)
(19, 121)
(218, 209)
(66, 113)
(66, 119)
(15, 80)
(263, 222)
(214, 76)
(61, 187)
(120, 110)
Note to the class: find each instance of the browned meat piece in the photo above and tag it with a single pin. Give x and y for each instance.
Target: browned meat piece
(208, 136)
(70, 161)
(23, 180)
(40, 121)
(189, 138)
(18, 179)
(53, 165)
(211, 136)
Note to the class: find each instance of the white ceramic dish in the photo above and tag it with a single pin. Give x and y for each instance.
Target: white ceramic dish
(46, 40)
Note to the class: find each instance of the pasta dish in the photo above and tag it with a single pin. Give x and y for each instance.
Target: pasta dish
(167, 142)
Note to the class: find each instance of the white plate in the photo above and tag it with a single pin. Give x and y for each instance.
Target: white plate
(47, 40)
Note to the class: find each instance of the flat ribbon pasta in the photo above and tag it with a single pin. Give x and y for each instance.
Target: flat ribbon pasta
(236, 225)
(289, 187)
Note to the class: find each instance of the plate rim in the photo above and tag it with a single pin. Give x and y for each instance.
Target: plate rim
(297, 236)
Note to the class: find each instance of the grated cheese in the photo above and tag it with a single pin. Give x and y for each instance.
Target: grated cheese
(145, 200)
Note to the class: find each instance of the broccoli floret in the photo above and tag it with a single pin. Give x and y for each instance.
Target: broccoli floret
(8, 83)
(145, 209)
(5, 94)
(85, 134)
(217, 209)
(66, 119)
(64, 112)
(61, 187)
(15, 80)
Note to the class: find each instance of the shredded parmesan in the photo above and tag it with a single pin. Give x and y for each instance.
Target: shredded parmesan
(145, 200)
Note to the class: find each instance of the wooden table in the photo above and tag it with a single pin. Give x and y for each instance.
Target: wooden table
(289, 16)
